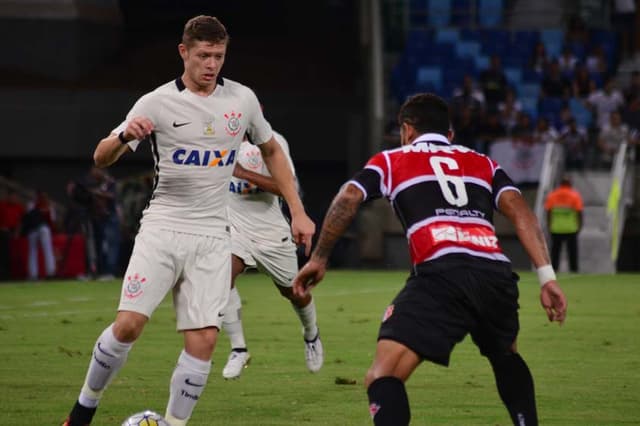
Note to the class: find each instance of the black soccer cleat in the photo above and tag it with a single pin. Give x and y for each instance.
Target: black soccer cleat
(80, 415)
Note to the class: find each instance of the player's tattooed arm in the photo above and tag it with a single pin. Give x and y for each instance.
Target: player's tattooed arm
(338, 218)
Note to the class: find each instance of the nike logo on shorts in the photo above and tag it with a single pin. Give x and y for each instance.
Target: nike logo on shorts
(180, 124)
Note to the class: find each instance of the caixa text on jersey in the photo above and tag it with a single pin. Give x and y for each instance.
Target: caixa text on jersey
(204, 158)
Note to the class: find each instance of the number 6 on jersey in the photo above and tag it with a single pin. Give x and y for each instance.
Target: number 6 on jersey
(460, 197)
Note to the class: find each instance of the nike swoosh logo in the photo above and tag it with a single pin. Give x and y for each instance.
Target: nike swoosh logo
(187, 381)
(104, 352)
(220, 314)
(180, 124)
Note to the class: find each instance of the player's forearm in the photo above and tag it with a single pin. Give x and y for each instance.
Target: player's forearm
(281, 172)
(338, 218)
(528, 229)
(266, 183)
(109, 150)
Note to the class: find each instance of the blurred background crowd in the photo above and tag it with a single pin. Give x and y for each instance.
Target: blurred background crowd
(517, 73)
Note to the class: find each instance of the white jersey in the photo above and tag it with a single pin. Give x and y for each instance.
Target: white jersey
(253, 212)
(194, 145)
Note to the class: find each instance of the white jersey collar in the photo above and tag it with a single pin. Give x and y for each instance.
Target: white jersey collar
(431, 137)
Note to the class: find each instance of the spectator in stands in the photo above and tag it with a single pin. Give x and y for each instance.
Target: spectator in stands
(554, 84)
(509, 110)
(35, 228)
(48, 211)
(523, 130)
(567, 62)
(611, 137)
(633, 89)
(490, 130)
(564, 218)
(494, 83)
(631, 112)
(105, 219)
(539, 59)
(465, 127)
(12, 212)
(468, 96)
(544, 133)
(575, 141)
(582, 84)
(604, 101)
(597, 61)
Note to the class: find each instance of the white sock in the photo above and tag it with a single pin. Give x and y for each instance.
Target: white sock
(307, 317)
(108, 356)
(232, 320)
(187, 383)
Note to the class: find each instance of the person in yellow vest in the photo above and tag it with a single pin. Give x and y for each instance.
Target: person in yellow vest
(564, 218)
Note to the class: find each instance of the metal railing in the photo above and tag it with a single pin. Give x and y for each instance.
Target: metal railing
(620, 195)
(552, 169)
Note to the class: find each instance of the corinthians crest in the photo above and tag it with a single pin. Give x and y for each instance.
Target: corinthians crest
(133, 288)
(233, 123)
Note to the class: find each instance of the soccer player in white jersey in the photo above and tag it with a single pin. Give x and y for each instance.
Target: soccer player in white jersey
(195, 125)
(260, 238)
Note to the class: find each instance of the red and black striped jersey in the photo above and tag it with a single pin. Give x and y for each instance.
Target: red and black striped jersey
(443, 194)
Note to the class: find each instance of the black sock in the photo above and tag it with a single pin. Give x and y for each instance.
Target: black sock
(515, 386)
(388, 402)
(238, 349)
(81, 415)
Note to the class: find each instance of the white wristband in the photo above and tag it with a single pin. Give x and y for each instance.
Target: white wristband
(545, 274)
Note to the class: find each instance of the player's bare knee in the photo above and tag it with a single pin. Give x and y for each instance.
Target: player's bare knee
(128, 326)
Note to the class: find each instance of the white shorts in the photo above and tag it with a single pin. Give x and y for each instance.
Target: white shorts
(196, 267)
(278, 259)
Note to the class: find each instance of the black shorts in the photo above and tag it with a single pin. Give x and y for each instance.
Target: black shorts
(448, 298)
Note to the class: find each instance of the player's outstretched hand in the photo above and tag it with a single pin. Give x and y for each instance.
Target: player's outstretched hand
(302, 229)
(553, 301)
(308, 277)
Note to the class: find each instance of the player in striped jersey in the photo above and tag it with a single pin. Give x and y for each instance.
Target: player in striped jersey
(195, 125)
(461, 282)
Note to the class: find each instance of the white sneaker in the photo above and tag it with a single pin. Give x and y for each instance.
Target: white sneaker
(236, 362)
(314, 354)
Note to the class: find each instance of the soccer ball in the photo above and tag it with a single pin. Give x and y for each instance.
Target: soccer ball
(146, 418)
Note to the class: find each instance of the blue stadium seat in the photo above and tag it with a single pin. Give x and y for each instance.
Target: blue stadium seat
(529, 90)
(467, 49)
(529, 105)
(482, 62)
(447, 35)
(580, 112)
(553, 40)
(514, 76)
(427, 76)
(490, 13)
(439, 13)
(417, 39)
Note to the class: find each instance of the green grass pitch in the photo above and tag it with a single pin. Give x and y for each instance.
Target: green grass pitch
(587, 372)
